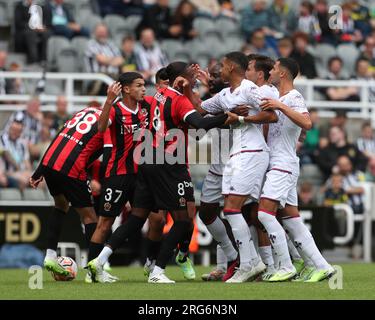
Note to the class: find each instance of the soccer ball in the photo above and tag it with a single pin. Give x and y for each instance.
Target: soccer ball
(68, 264)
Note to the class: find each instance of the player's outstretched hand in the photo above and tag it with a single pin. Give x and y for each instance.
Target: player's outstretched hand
(113, 91)
(34, 183)
(270, 104)
(180, 83)
(242, 110)
(203, 77)
(232, 118)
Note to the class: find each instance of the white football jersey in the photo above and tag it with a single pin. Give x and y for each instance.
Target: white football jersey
(221, 143)
(246, 136)
(284, 134)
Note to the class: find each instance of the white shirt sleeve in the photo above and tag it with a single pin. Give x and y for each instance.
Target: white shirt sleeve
(297, 103)
(213, 105)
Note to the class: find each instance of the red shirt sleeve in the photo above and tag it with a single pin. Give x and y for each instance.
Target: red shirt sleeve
(107, 138)
(112, 115)
(183, 107)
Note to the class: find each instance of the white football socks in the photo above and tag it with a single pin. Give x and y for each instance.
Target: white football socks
(242, 238)
(277, 237)
(303, 240)
(266, 255)
(221, 259)
(104, 255)
(219, 233)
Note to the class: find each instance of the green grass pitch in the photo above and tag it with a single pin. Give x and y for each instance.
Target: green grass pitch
(358, 283)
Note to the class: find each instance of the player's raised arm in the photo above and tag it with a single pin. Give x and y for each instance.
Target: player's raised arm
(301, 119)
(113, 91)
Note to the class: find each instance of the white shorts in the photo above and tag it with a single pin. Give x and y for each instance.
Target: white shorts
(281, 186)
(211, 189)
(244, 174)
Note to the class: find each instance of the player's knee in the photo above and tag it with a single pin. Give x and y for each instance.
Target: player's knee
(265, 217)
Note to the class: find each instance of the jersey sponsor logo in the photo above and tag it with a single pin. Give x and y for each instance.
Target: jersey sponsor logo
(182, 201)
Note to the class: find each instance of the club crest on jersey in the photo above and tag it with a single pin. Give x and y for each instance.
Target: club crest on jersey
(144, 112)
(107, 206)
(182, 202)
(123, 119)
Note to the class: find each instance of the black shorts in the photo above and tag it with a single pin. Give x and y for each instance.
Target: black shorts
(163, 187)
(77, 192)
(115, 193)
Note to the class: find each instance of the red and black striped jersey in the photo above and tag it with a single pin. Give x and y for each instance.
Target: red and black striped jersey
(169, 109)
(123, 123)
(76, 145)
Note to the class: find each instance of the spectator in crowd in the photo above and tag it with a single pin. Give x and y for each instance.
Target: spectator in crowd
(61, 22)
(254, 17)
(38, 149)
(16, 155)
(259, 45)
(128, 54)
(348, 32)
(366, 143)
(305, 59)
(339, 93)
(306, 194)
(335, 193)
(368, 51)
(326, 157)
(361, 16)
(182, 21)
(282, 18)
(285, 47)
(363, 72)
(352, 180)
(149, 55)
(307, 22)
(102, 55)
(31, 118)
(327, 34)
(32, 41)
(15, 86)
(61, 115)
(311, 141)
(3, 60)
(158, 17)
(370, 172)
(227, 10)
(3, 176)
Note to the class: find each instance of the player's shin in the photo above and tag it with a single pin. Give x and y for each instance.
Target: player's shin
(177, 233)
(55, 223)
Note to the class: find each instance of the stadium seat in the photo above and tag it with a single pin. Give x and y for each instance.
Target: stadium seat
(170, 47)
(323, 52)
(67, 61)
(349, 55)
(226, 26)
(233, 43)
(89, 22)
(205, 26)
(311, 173)
(132, 22)
(3, 15)
(115, 23)
(182, 55)
(150, 90)
(80, 44)
(54, 46)
(10, 194)
(34, 195)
